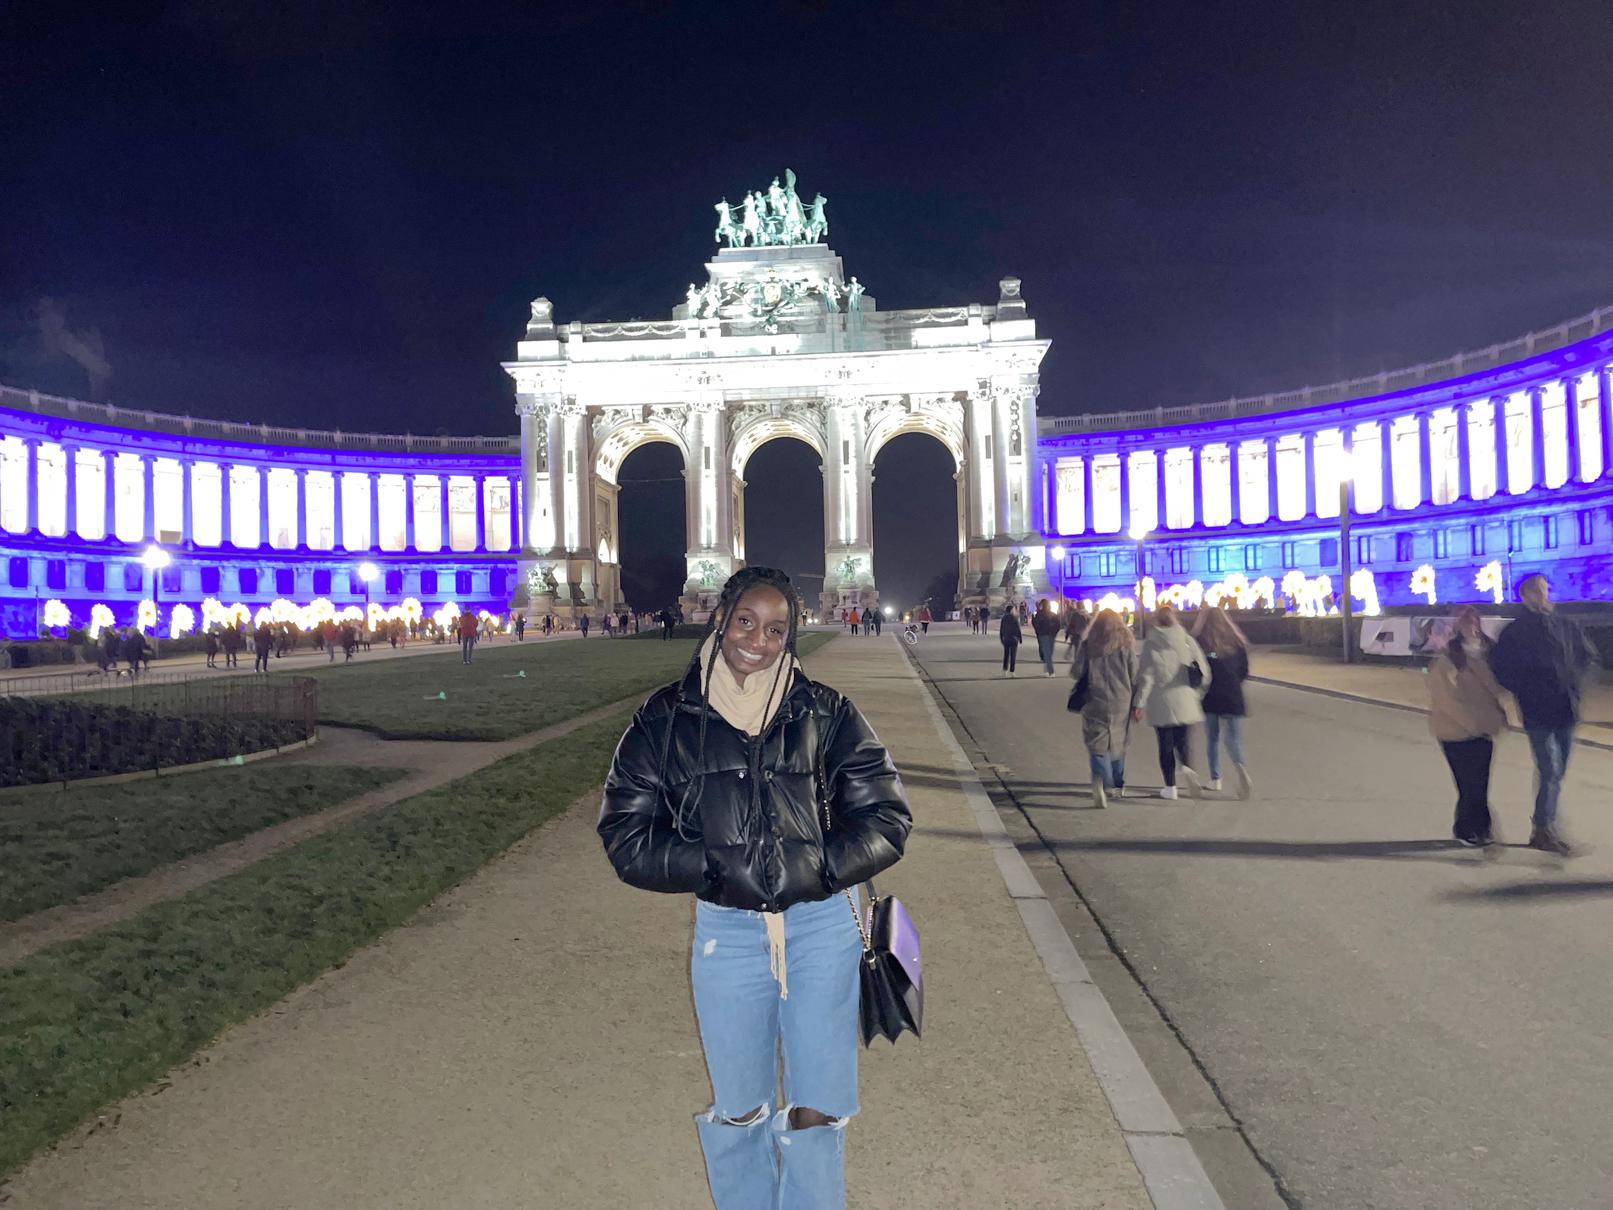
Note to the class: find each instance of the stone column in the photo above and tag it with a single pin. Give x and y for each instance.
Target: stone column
(1347, 467)
(187, 502)
(224, 535)
(1087, 512)
(1308, 457)
(1425, 461)
(557, 476)
(1464, 451)
(442, 511)
(1271, 478)
(1386, 463)
(1159, 489)
(982, 476)
(1571, 429)
(70, 465)
(1604, 418)
(148, 484)
(338, 536)
(1537, 438)
(408, 510)
(1001, 506)
(1196, 486)
(30, 454)
(299, 536)
(109, 485)
(1503, 453)
(1125, 492)
(1235, 479)
(479, 485)
(263, 508)
(530, 422)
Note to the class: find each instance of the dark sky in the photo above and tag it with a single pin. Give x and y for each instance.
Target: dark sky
(336, 218)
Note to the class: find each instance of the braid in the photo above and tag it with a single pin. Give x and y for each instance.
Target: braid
(738, 584)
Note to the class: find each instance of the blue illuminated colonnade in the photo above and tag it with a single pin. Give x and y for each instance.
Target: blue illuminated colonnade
(1503, 456)
(248, 514)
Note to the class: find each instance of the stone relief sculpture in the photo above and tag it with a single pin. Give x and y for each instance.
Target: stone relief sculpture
(854, 294)
(540, 580)
(709, 571)
(1014, 569)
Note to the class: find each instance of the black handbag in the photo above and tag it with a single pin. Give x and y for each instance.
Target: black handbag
(1080, 691)
(890, 971)
(1195, 675)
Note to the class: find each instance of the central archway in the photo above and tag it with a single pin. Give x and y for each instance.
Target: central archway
(918, 546)
(779, 518)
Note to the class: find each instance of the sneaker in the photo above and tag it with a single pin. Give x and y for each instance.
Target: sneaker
(1549, 842)
(1213, 784)
(1122, 792)
(1472, 842)
(1167, 792)
(1100, 799)
(1190, 782)
(1241, 781)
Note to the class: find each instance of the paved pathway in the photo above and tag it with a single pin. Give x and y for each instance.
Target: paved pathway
(1390, 1020)
(528, 1040)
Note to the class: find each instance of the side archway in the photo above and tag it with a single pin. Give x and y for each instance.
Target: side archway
(941, 419)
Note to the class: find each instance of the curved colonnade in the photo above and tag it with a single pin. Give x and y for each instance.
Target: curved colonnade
(247, 515)
(1475, 470)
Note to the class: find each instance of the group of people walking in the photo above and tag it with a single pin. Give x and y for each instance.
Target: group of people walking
(1174, 681)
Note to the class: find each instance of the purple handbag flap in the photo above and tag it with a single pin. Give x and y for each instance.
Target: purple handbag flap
(896, 932)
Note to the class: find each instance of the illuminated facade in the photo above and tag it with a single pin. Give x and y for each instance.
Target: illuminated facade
(1498, 459)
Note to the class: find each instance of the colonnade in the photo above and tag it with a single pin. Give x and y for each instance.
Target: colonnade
(366, 510)
(1554, 432)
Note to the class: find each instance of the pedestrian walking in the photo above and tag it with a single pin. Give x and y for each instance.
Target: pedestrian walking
(468, 630)
(856, 620)
(1227, 653)
(520, 628)
(1107, 660)
(349, 639)
(234, 644)
(262, 644)
(1075, 625)
(925, 618)
(1045, 625)
(607, 627)
(133, 648)
(1542, 659)
(1173, 676)
(1009, 631)
(621, 623)
(210, 645)
(875, 618)
(776, 947)
(1465, 714)
(107, 653)
(668, 622)
(582, 624)
(548, 624)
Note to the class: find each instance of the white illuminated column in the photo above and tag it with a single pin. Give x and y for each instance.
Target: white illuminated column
(156, 558)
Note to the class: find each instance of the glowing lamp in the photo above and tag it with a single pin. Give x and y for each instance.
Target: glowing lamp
(155, 557)
(1058, 552)
(368, 572)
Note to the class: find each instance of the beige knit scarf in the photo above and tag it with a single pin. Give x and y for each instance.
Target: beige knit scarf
(749, 708)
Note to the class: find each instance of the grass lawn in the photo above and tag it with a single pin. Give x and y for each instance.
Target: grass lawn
(55, 847)
(487, 700)
(87, 1022)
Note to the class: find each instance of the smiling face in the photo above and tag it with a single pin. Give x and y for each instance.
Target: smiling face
(755, 632)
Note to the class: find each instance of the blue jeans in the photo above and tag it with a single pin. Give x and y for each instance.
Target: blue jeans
(1213, 724)
(1551, 746)
(754, 1161)
(1112, 769)
(1044, 648)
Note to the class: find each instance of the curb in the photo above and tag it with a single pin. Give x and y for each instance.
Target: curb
(1171, 1170)
(1605, 745)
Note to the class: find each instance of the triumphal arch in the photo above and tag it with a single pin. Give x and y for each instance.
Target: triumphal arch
(777, 341)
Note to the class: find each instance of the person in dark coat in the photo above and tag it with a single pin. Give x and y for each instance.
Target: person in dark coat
(1224, 711)
(210, 645)
(1045, 625)
(1542, 659)
(770, 799)
(1008, 630)
(133, 648)
(262, 645)
(234, 642)
(109, 649)
(583, 623)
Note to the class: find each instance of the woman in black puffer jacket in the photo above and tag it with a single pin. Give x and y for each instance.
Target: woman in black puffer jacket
(720, 788)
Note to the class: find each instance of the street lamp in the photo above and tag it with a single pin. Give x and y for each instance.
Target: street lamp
(367, 572)
(1139, 535)
(156, 558)
(1346, 607)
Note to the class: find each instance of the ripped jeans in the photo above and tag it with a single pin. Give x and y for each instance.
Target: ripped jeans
(754, 1160)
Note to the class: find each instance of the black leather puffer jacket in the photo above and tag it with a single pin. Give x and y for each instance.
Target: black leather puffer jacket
(752, 834)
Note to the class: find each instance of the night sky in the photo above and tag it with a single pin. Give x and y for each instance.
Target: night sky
(336, 218)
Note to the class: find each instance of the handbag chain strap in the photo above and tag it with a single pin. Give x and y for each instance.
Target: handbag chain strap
(851, 901)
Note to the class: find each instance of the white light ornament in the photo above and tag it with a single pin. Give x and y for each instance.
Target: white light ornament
(1489, 580)
(56, 614)
(181, 620)
(100, 619)
(1364, 588)
(145, 617)
(1422, 583)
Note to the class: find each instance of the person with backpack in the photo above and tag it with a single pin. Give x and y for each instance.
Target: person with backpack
(1542, 659)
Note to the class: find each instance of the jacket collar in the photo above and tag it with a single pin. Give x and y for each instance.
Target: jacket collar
(797, 698)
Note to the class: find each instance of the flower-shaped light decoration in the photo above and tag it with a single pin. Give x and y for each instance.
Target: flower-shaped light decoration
(56, 614)
(240, 613)
(263, 617)
(1364, 588)
(319, 611)
(100, 619)
(1193, 593)
(375, 616)
(1262, 590)
(447, 615)
(1294, 586)
(412, 609)
(145, 617)
(1146, 590)
(1489, 580)
(282, 610)
(1422, 583)
(214, 614)
(181, 620)
(1214, 595)
(351, 614)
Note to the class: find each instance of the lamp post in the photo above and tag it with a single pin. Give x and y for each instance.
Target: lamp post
(367, 572)
(1139, 535)
(156, 558)
(1346, 608)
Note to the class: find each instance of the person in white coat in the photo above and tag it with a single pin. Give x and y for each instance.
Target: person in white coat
(1171, 682)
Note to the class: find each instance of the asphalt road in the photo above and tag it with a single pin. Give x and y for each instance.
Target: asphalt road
(1395, 1021)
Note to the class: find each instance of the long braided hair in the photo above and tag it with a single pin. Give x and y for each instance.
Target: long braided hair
(740, 583)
